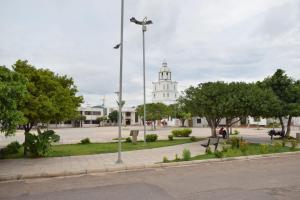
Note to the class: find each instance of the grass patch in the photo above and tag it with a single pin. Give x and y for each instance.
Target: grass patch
(252, 149)
(99, 148)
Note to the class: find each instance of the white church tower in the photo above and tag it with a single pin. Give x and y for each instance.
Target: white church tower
(164, 90)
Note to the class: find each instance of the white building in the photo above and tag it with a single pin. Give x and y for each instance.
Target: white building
(164, 90)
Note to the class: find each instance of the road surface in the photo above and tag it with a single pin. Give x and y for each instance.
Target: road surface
(266, 178)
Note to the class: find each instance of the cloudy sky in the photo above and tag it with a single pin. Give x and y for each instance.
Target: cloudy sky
(202, 40)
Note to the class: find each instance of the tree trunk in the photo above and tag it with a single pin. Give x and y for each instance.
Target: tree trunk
(182, 122)
(27, 128)
(228, 123)
(213, 131)
(288, 128)
(282, 124)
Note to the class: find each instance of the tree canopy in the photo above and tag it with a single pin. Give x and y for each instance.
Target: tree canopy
(12, 88)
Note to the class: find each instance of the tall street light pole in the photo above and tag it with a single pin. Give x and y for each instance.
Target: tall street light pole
(120, 85)
(144, 29)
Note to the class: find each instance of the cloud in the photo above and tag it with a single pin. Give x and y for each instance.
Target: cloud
(202, 41)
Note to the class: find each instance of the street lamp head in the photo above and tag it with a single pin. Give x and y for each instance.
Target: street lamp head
(144, 22)
(117, 46)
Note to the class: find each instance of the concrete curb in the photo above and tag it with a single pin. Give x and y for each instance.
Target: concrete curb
(130, 167)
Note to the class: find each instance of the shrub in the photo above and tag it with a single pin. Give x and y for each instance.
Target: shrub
(85, 141)
(236, 132)
(263, 148)
(151, 137)
(11, 148)
(208, 151)
(224, 148)
(186, 155)
(193, 138)
(294, 144)
(177, 157)
(219, 154)
(170, 137)
(40, 144)
(277, 146)
(244, 146)
(165, 159)
(128, 140)
(235, 142)
(283, 142)
(185, 132)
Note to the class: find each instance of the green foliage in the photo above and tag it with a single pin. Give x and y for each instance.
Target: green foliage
(179, 111)
(185, 132)
(225, 148)
(170, 137)
(11, 148)
(218, 154)
(235, 142)
(12, 88)
(49, 97)
(244, 147)
(193, 138)
(128, 140)
(208, 151)
(165, 159)
(177, 157)
(277, 146)
(114, 116)
(236, 132)
(283, 142)
(151, 137)
(85, 141)
(155, 111)
(186, 155)
(263, 148)
(40, 144)
(294, 144)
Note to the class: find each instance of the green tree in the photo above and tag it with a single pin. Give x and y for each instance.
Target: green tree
(101, 120)
(154, 111)
(113, 116)
(12, 88)
(178, 111)
(206, 100)
(288, 92)
(49, 97)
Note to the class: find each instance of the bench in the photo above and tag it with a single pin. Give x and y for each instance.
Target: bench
(211, 141)
(273, 133)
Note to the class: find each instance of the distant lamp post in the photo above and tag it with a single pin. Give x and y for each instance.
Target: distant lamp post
(144, 24)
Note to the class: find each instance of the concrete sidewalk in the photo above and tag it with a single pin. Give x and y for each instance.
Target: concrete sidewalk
(12, 169)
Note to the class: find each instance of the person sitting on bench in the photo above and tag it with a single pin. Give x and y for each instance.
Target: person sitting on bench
(223, 132)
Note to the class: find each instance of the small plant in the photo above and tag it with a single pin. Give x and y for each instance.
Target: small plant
(128, 140)
(170, 137)
(208, 151)
(263, 148)
(244, 147)
(235, 132)
(224, 148)
(11, 148)
(186, 155)
(283, 142)
(40, 144)
(177, 157)
(193, 139)
(235, 142)
(151, 137)
(277, 146)
(165, 159)
(294, 144)
(219, 154)
(85, 141)
(185, 132)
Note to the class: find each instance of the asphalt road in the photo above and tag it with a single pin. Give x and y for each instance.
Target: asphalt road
(267, 178)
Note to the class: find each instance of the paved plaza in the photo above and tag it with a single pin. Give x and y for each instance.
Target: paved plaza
(106, 134)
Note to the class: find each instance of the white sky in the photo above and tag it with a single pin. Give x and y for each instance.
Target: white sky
(202, 40)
